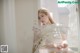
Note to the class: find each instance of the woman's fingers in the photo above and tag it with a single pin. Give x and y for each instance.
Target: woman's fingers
(65, 46)
(59, 47)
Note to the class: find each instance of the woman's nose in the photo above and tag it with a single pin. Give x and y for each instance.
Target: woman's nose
(42, 21)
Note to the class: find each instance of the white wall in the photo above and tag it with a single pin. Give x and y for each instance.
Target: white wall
(16, 21)
(9, 25)
(63, 16)
(26, 11)
(2, 38)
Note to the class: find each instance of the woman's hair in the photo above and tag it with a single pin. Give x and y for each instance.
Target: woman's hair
(45, 11)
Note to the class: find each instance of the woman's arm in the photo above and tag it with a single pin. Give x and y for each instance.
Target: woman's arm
(49, 46)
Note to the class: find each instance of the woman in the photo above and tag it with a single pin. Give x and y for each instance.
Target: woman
(48, 35)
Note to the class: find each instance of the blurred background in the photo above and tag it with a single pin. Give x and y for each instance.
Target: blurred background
(16, 22)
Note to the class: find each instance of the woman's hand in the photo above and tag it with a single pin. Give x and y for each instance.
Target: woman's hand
(59, 47)
(64, 45)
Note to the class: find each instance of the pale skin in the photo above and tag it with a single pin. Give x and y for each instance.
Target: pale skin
(44, 20)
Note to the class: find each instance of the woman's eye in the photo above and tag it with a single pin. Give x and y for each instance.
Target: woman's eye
(42, 16)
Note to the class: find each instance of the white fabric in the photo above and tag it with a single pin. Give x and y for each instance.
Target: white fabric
(50, 34)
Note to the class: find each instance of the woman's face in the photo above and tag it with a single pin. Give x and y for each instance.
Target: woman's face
(43, 18)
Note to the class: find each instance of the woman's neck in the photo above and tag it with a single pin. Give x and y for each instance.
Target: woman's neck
(48, 23)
